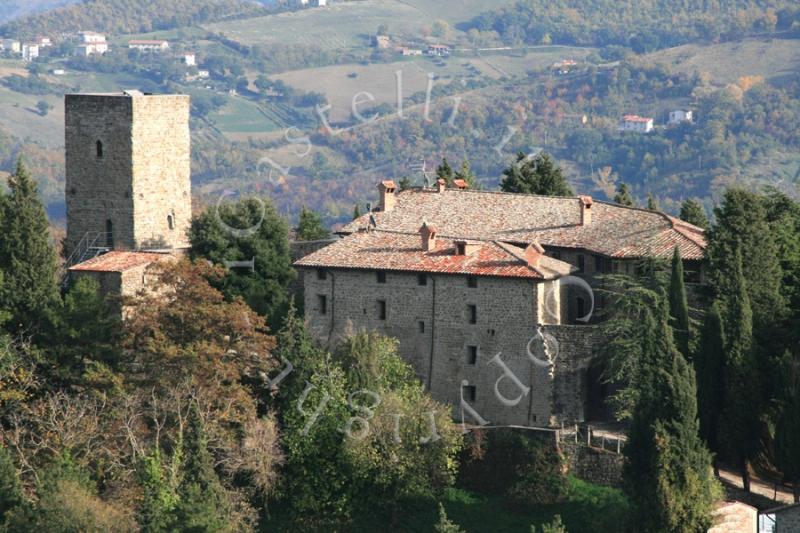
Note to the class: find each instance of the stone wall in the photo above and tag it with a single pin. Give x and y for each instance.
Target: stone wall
(128, 168)
(594, 465)
(430, 315)
(787, 520)
(734, 517)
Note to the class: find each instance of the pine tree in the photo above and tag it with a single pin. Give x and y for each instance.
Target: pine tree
(202, 505)
(739, 426)
(27, 258)
(652, 204)
(465, 173)
(623, 196)
(404, 183)
(709, 363)
(445, 172)
(693, 212)
(10, 488)
(356, 212)
(537, 175)
(310, 227)
(679, 306)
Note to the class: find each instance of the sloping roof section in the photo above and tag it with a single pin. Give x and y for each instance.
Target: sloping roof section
(614, 230)
(386, 250)
(118, 261)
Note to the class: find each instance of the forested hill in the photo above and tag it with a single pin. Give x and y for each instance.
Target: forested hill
(128, 16)
(644, 25)
(11, 9)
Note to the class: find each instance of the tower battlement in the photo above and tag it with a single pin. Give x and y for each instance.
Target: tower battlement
(128, 169)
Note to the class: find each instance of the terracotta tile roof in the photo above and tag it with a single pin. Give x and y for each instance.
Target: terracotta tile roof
(635, 118)
(118, 261)
(386, 250)
(614, 231)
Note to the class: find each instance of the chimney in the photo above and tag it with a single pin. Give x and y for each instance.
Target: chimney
(534, 253)
(441, 185)
(461, 184)
(586, 210)
(428, 234)
(388, 198)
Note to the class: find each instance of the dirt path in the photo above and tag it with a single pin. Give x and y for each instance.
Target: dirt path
(757, 486)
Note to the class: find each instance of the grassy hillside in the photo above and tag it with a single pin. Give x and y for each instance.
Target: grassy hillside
(128, 16)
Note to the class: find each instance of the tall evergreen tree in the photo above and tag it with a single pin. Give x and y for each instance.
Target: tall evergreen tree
(445, 172)
(310, 226)
(693, 212)
(10, 488)
(159, 499)
(203, 504)
(465, 173)
(356, 212)
(739, 428)
(709, 363)
(668, 473)
(27, 257)
(787, 431)
(623, 196)
(652, 204)
(679, 306)
(536, 175)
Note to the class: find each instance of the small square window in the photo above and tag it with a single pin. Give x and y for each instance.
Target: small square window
(421, 325)
(472, 282)
(322, 274)
(470, 393)
(322, 304)
(472, 313)
(472, 355)
(422, 279)
(382, 309)
(381, 276)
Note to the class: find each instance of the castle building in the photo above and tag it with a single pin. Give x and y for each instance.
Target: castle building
(128, 187)
(491, 295)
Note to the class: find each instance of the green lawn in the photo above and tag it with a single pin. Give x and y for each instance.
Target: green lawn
(241, 116)
(590, 509)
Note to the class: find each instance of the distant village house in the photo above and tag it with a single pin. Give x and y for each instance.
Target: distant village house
(91, 43)
(405, 51)
(145, 44)
(190, 60)
(680, 115)
(564, 66)
(30, 51)
(439, 50)
(11, 45)
(381, 41)
(636, 123)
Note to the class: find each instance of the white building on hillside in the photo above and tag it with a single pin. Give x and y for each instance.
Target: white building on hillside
(91, 43)
(680, 115)
(145, 44)
(30, 51)
(636, 123)
(189, 59)
(11, 45)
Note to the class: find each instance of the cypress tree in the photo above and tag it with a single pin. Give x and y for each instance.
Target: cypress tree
(203, 503)
(679, 306)
(693, 212)
(27, 258)
(356, 212)
(787, 431)
(709, 364)
(310, 226)
(445, 172)
(739, 421)
(668, 472)
(652, 204)
(10, 489)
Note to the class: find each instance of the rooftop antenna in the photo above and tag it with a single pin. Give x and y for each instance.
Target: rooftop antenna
(421, 167)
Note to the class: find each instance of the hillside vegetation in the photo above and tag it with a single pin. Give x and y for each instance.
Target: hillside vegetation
(644, 26)
(128, 16)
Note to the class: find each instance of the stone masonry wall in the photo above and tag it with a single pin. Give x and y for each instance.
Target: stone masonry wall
(139, 178)
(788, 520)
(432, 324)
(595, 466)
(99, 189)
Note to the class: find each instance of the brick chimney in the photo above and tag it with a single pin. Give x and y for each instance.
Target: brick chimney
(461, 184)
(428, 234)
(441, 185)
(534, 253)
(586, 210)
(388, 198)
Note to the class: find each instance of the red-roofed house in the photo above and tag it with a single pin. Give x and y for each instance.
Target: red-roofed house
(636, 123)
(488, 293)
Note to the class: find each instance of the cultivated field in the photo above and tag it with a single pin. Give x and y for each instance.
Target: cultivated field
(347, 24)
(726, 62)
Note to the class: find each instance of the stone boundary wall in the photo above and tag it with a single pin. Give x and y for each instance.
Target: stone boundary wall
(594, 465)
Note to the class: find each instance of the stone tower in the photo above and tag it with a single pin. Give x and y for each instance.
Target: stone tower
(128, 170)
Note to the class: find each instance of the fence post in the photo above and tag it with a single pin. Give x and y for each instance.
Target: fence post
(588, 435)
(576, 433)
(603, 442)
(618, 444)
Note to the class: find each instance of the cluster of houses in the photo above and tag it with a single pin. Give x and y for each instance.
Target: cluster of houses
(28, 50)
(638, 124)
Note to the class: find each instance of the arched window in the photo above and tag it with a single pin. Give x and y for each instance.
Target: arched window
(99, 148)
(170, 222)
(109, 234)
